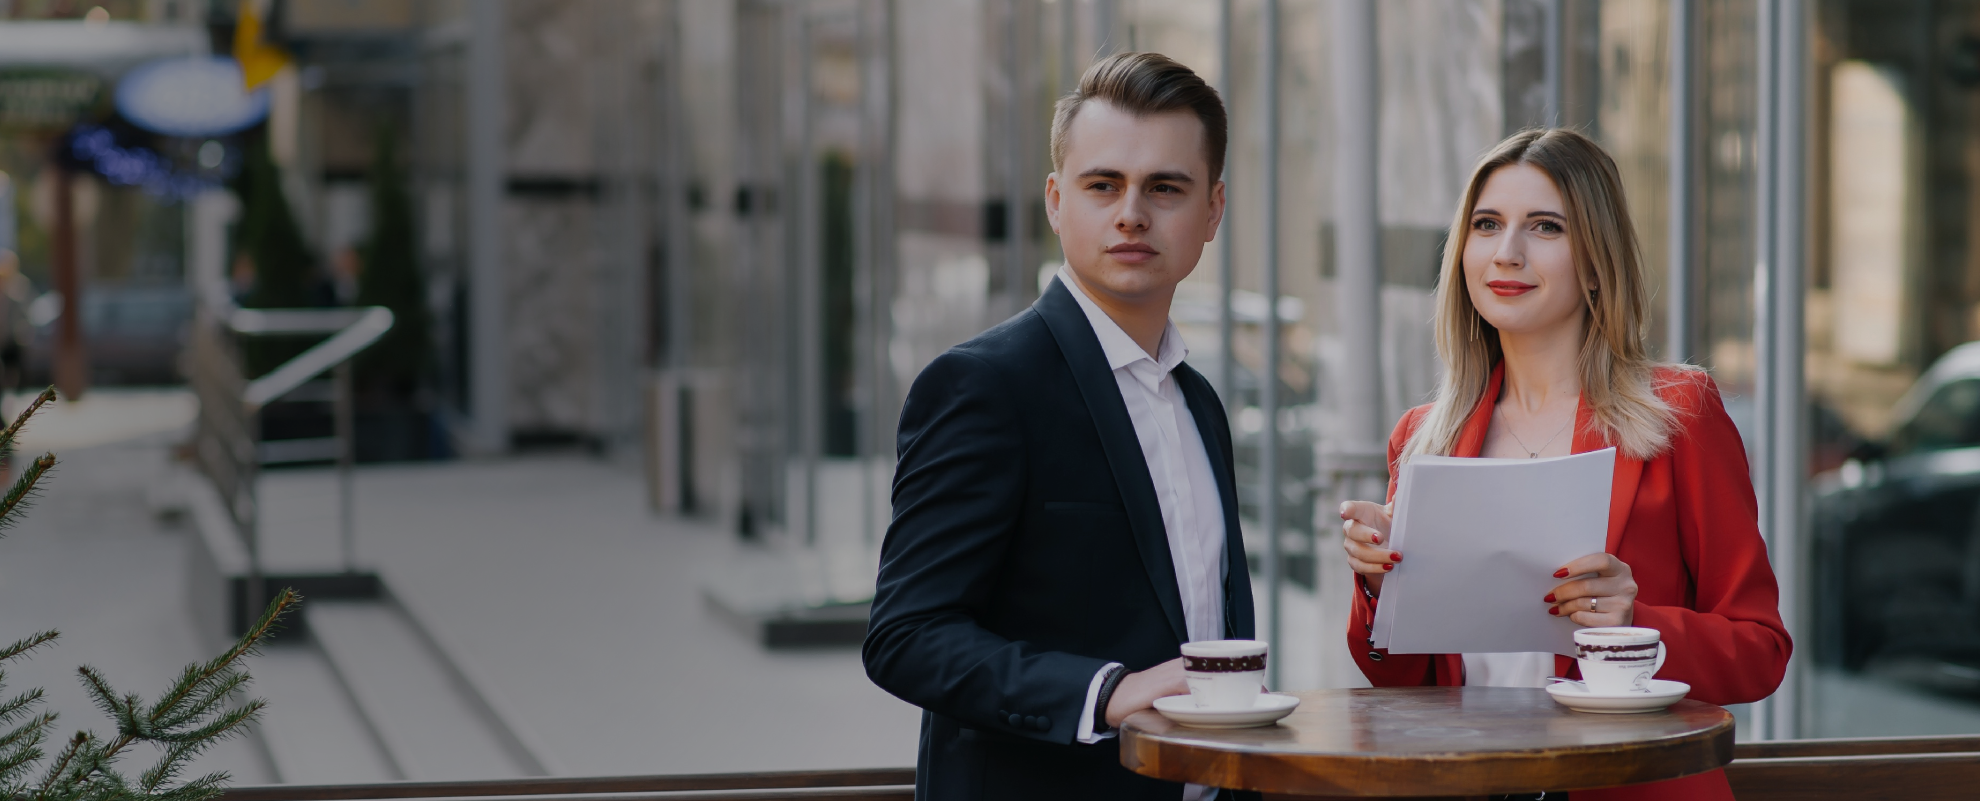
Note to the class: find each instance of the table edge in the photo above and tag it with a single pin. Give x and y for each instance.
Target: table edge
(1141, 752)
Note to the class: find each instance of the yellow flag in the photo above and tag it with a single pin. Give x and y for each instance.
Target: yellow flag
(259, 59)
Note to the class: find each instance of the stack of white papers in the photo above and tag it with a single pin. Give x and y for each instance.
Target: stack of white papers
(1481, 539)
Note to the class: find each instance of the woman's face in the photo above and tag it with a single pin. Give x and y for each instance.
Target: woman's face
(1518, 265)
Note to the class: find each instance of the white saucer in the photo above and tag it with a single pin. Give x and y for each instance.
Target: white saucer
(1575, 695)
(1183, 709)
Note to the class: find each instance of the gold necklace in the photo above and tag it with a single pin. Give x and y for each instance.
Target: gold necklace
(1530, 452)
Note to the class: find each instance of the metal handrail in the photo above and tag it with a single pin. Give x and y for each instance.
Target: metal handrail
(227, 440)
(353, 330)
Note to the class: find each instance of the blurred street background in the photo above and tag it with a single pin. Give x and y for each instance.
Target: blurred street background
(554, 348)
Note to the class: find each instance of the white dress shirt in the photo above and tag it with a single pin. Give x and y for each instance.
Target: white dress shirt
(1508, 670)
(1185, 488)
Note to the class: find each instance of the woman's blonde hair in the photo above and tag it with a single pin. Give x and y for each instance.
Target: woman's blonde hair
(1618, 376)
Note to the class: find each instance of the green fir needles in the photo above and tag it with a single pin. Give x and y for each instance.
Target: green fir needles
(200, 709)
(15, 501)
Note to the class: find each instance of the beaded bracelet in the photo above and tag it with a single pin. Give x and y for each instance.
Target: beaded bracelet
(1106, 694)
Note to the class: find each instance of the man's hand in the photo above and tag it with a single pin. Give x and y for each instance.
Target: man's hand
(1138, 691)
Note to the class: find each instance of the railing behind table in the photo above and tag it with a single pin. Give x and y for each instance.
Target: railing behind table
(1911, 768)
(878, 784)
(226, 442)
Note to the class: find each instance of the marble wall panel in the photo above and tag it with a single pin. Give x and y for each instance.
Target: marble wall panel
(548, 49)
(553, 352)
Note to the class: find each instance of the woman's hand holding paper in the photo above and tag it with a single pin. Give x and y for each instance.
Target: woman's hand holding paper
(1605, 596)
(1366, 525)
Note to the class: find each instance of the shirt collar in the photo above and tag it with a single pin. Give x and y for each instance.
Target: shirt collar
(1120, 348)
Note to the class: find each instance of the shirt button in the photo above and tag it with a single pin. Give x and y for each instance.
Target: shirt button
(1044, 723)
(1016, 720)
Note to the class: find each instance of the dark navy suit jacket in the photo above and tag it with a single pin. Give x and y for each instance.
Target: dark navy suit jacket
(1027, 551)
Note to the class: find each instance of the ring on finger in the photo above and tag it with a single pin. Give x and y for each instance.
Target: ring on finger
(1591, 604)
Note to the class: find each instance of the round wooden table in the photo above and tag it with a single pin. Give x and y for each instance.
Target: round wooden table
(1433, 741)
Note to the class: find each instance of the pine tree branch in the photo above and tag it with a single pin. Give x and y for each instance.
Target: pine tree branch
(249, 644)
(191, 717)
(28, 644)
(101, 694)
(17, 705)
(8, 435)
(221, 728)
(21, 748)
(200, 789)
(144, 727)
(17, 498)
(64, 760)
(167, 768)
(204, 701)
(28, 734)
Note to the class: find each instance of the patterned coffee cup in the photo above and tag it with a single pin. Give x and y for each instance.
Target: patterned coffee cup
(1225, 674)
(1619, 659)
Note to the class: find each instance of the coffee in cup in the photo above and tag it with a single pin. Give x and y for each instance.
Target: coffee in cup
(1618, 659)
(1225, 674)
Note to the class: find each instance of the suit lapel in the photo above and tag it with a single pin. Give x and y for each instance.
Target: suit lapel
(1069, 326)
(1202, 400)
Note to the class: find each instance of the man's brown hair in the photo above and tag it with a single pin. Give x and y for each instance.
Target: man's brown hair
(1142, 84)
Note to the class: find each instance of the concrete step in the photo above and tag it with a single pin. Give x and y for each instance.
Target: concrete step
(431, 720)
(312, 727)
(795, 597)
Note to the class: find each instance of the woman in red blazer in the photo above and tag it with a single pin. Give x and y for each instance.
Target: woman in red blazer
(1539, 325)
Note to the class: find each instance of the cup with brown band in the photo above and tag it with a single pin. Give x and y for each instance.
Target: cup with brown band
(1619, 659)
(1225, 674)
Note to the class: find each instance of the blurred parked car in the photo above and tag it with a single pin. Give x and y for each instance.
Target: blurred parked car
(133, 334)
(1897, 535)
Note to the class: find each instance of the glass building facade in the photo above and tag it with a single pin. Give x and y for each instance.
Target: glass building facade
(715, 241)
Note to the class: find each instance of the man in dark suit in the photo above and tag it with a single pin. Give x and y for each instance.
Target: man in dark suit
(1065, 516)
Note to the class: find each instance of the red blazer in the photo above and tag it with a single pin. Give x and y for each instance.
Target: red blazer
(1685, 523)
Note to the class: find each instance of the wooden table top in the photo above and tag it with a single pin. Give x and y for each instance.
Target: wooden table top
(1433, 741)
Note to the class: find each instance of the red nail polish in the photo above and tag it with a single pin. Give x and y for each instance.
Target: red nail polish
(1561, 573)
(1375, 538)
(1554, 610)
(1395, 557)
(1387, 568)
(1549, 598)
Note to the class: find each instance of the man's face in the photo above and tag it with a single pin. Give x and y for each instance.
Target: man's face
(1134, 203)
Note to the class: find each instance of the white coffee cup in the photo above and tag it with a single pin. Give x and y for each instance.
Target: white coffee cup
(1618, 659)
(1225, 674)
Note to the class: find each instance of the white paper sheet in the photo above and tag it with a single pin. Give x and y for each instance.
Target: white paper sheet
(1481, 539)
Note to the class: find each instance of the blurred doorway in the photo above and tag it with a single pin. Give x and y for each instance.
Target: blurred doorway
(814, 429)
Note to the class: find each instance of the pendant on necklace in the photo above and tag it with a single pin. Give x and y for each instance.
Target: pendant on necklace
(1532, 455)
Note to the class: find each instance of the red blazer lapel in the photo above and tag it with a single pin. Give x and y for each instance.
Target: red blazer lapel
(1471, 441)
(1622, 489)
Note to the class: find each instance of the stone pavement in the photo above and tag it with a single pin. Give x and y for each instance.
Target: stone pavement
(576, 606)
(583, 613)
